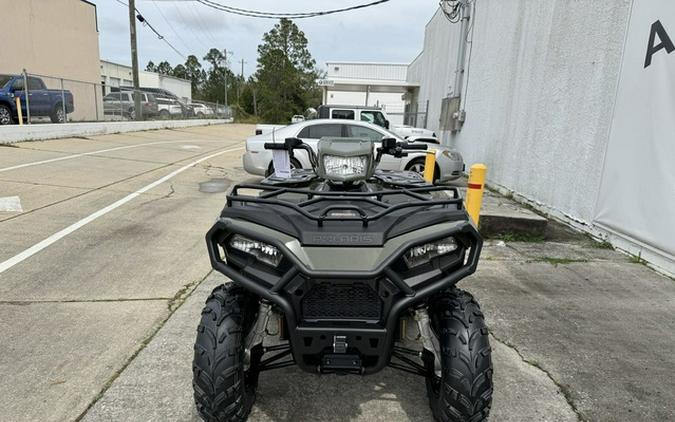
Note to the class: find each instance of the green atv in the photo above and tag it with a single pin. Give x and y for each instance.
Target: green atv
(343, 269)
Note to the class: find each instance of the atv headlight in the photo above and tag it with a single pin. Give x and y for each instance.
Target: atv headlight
(337, 166)
(260, 250)
(423, 253)
(345, 159)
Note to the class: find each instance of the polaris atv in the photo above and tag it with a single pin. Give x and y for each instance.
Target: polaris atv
(343, 269)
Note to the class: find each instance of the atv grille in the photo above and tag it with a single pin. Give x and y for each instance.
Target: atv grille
(342, 301)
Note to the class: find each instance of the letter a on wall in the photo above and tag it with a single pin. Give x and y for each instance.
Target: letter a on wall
(637, 191)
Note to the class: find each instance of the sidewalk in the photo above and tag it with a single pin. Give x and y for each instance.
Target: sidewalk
(579, 332)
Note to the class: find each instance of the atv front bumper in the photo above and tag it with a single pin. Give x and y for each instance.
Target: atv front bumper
(342, 309)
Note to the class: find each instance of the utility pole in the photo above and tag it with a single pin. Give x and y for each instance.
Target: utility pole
(242, 80)
(255, 102)
(225, 54)
(134, 59)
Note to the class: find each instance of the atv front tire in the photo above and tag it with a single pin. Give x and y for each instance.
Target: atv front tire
(224, 389)
(464, 390)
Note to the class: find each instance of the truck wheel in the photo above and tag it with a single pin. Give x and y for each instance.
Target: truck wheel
(57, 115)
(224, 388)
(417, 165)
(5, 115)
(164, 114)
(464, 390)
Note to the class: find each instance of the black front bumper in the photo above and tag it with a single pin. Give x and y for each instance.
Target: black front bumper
(377, 298)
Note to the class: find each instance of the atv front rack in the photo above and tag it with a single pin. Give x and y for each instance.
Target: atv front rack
(353, 201)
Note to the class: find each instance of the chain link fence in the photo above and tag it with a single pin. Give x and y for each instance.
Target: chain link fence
(414, 114)
(36, 98)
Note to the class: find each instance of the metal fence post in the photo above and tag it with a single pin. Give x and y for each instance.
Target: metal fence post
(25, 89)
(63, 103)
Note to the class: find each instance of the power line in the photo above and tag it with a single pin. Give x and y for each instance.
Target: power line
(277, 15)
(204, 26)
(144, 21)
(170, 26)
(194, 34)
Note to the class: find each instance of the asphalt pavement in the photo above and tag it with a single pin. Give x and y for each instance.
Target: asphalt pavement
(103, 273)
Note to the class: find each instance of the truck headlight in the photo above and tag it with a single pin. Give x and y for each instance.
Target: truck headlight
(421, 254)
(337, 166)
(260, 250)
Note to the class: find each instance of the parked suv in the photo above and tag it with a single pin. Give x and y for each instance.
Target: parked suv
(374, 115)
(170, 106)
(122, 104)
(43, 102)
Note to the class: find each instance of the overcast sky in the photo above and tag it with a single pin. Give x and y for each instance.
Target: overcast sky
(390, 32)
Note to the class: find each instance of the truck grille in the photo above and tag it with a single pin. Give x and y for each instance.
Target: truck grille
(341, 301)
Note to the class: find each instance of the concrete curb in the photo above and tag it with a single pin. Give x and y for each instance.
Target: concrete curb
(41, 132)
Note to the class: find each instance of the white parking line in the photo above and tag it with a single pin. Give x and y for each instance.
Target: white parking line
(84, 154)
(4, 266)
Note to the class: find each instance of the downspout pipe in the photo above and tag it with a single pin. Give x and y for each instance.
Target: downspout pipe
(461, 48)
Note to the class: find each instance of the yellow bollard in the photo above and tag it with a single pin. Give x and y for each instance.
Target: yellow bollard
(430, 166)
(474, 192)
(18, 110)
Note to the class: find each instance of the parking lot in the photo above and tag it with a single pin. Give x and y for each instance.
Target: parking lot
(103, 272)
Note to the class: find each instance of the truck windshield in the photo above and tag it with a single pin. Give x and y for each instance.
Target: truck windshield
(4, 79)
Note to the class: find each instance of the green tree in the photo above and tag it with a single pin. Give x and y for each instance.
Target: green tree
(286, 75)
(151, 67)
(215, 78)
(164, 68)
(194, 73)
(179, 71)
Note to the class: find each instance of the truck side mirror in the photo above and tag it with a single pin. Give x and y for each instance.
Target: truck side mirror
(386, 124)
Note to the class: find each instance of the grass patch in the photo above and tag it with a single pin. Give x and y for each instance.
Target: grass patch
(559, 261)
(518, 237)
(602, 245)
(637, 259)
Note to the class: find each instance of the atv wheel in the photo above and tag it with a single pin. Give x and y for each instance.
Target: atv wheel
(224, 388)
(464, 390)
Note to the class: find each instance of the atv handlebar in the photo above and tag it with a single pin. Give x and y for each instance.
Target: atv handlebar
(291, 144)
(390, 146)
(405, 145)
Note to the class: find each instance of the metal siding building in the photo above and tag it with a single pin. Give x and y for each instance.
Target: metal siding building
(114, 75)
(56, 39)
(368, 83)
(539, 95)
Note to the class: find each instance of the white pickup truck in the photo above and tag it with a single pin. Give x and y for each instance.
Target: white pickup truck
(374, 115)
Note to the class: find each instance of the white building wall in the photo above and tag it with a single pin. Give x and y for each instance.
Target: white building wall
(541, 88)
(373, 71)
(116, 75)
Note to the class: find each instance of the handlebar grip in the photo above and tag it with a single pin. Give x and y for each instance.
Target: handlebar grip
(421, 147)
(272, 145)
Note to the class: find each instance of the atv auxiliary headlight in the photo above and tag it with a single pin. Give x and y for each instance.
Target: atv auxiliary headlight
(260, 250)
(423, 253)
